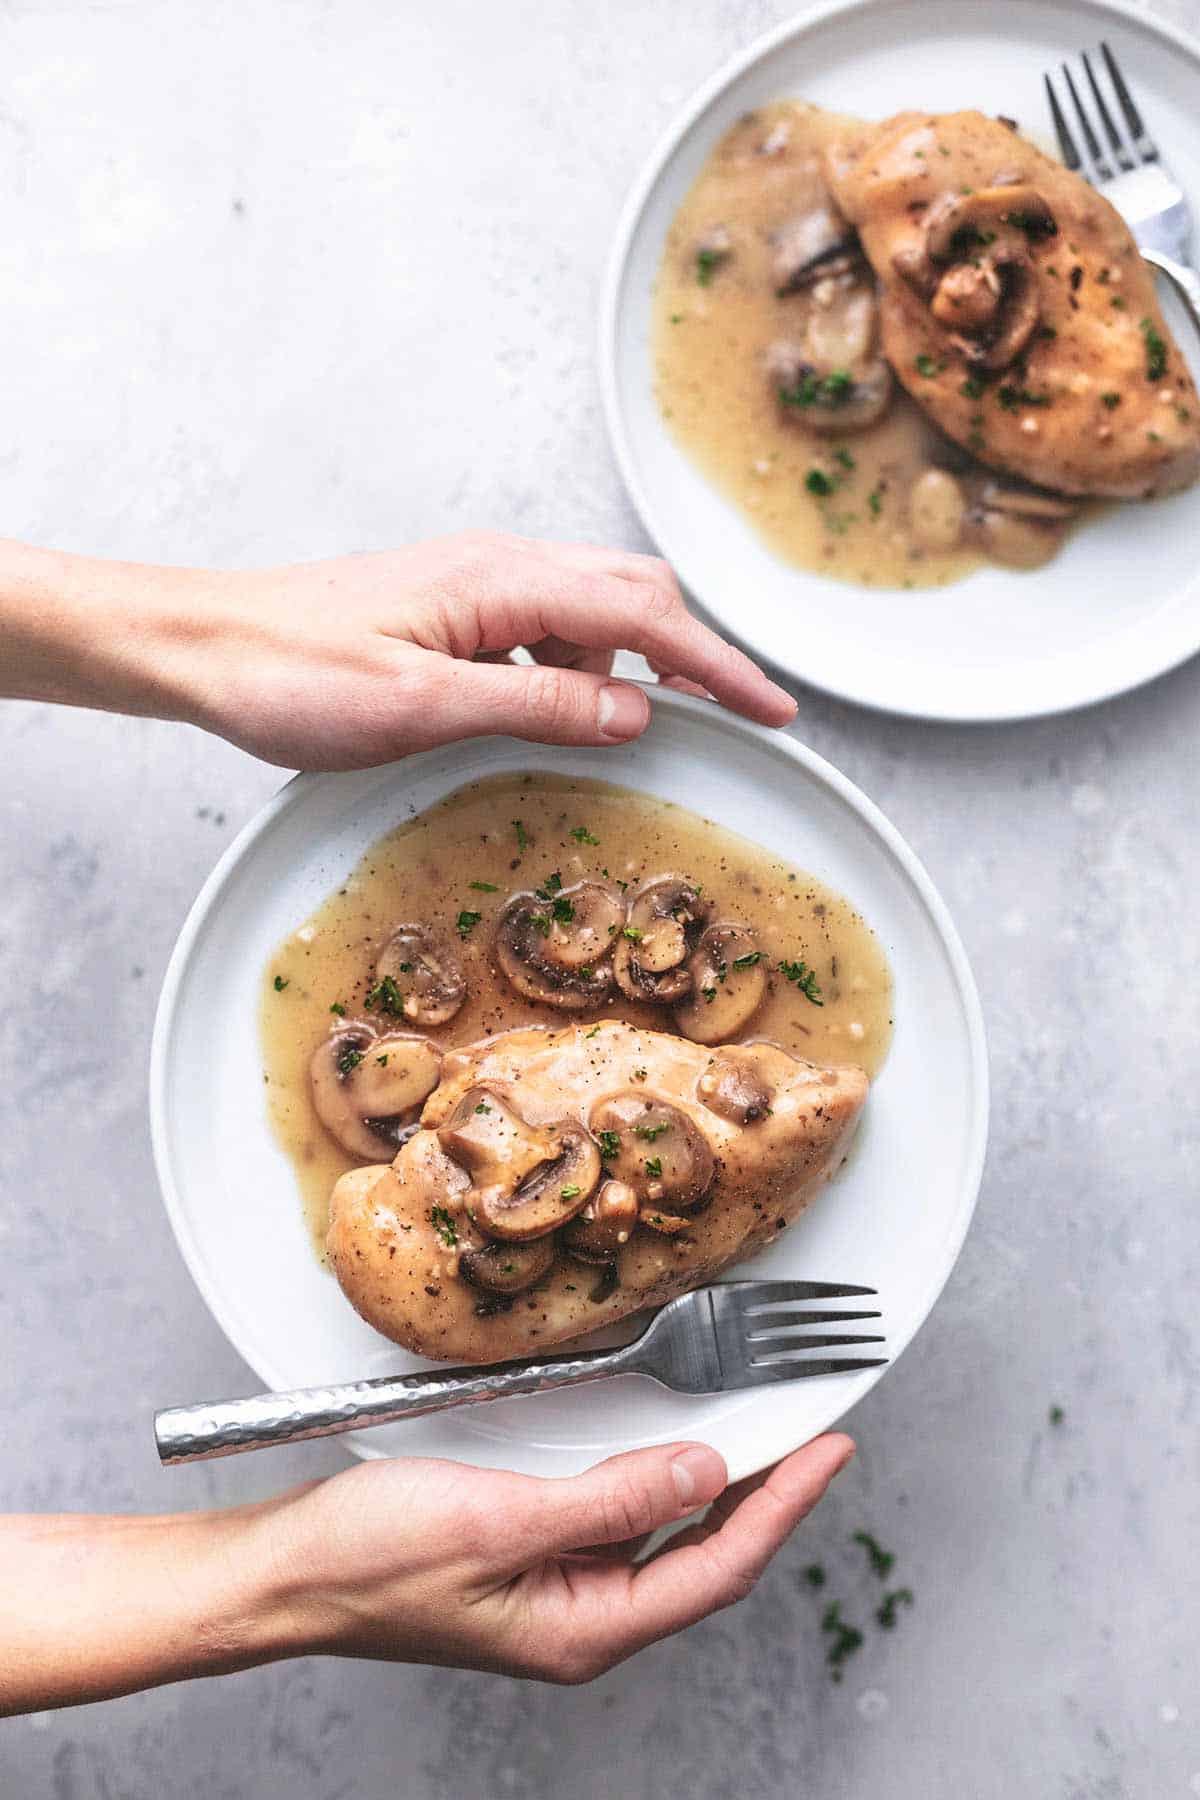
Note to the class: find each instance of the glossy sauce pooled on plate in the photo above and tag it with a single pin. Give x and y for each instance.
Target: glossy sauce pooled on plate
(453, 868)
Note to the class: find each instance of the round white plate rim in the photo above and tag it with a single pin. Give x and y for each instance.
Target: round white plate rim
(294, 792)
(1164, 655)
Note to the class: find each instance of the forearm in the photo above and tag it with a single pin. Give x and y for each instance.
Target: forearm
(86, 632)
(94, 1607)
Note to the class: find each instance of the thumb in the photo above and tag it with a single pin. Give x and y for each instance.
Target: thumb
(628, 1496)
(544, 704)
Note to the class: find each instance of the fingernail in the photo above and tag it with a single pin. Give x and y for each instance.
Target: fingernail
(621, 711)
(698, 1473)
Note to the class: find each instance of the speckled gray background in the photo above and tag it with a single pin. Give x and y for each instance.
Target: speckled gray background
(281, 279)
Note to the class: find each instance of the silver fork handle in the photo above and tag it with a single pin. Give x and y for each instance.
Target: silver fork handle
(226, 1427)
(1184, 279)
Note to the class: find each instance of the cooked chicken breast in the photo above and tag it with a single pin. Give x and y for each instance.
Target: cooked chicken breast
(1016, 308)
(562, 1179)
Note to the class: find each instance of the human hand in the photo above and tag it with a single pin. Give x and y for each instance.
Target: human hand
(436, 1562)
(347, 663)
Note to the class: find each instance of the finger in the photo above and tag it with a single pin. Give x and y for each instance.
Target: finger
(545, 705)
(682, 685)
(625, 1497)
(508, 592)
(711, 1566)
(559, 654)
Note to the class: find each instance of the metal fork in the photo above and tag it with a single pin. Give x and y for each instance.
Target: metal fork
(1130, 173)
(737, 1334)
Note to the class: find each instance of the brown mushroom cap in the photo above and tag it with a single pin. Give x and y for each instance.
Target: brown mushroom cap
(368, 1090)
(728, 983)
(557, 1189)
(507, 1268)
(733, 1086)
(607, 1221)
(417, 977)
(658, 1150)
(492, 1142)
(557, 948)
(649, 962)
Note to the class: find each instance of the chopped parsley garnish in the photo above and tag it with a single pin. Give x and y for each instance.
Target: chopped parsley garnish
(385, 996)
(444, 1225)
(1033, 224)
(709, 993)
(653, 1166)
(484, 887)
(594, 1032)
(1117, 300)
(582, 835)
(483, 1107)
(928, 366)
(748, 961)
(676, 318)
(280, 984)
(572, 1191)
(971, 389)
(886, 1613)
(707, 263)
(1011, 398)
(349, 1060)
(522, 835)
(880, 1560)
(803, 977)
(1156, 350)
(562, 911)
(639, 1074)
(540, 922)
(1110, 400)
(632, 933)
(846, 1638)
(819, 483)
(814, 1574)
(1056, 1415)
(833, 389)
(610, 1144)
(650, 1132)
(875, 502)
(844, 457)
(466, 923)
(339, 1009)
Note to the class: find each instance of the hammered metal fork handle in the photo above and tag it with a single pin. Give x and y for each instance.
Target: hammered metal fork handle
(1185, 280)
(227, 1427)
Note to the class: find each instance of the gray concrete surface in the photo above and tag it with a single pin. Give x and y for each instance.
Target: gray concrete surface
(281, 279)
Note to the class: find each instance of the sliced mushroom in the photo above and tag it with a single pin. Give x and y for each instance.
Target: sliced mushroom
(492, 1142)
(417, 977)
(507, 1268)
(936, 509)
(728, 983)
(975, 271)
(831, 398)
(1022, 543)
(816, 243)
(1028, 502)
(649, 962)
(554, 1192)
(657, 1149)
(368, 1090)
(733, 1087)
(558, 949)
(606, 1222)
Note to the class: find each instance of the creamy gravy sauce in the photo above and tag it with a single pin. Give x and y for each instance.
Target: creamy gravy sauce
(709, 340)
(423, 870)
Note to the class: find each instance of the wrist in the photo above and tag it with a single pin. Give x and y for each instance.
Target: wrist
(82, 631)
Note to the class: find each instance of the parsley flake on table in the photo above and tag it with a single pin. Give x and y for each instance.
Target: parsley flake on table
(881, 1560)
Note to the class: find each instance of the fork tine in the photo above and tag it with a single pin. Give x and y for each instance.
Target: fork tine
(791, 1349)
(1066, 142)
(1143, 143)
(1118, 145)
(820, 1365)
(760, 1324)
(1099, 165)
(761, 1294)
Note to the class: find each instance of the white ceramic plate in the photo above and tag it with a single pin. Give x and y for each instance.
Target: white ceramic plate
(1122, 602)
(894, 1218)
